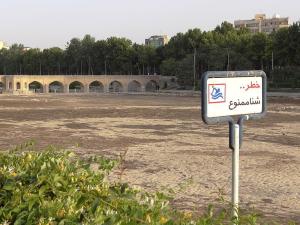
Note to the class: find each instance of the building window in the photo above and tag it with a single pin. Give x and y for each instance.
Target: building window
(18, 85)
(25, 84)
(10, 85)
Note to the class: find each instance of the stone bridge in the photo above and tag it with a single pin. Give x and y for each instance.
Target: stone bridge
(24, 84)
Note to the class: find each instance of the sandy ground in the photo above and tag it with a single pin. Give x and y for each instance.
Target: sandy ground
(168, 146)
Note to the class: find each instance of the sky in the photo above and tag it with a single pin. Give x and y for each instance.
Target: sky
(49, 23)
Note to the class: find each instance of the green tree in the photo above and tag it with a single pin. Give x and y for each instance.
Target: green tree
(31, 61)
(169, 67)
(259, 47)
(73, 56)
(117, 55)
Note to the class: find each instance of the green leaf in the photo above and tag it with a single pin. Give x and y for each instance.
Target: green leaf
(8, 187)
(95, 205)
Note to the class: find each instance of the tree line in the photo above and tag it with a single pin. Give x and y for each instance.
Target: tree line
(187, 55)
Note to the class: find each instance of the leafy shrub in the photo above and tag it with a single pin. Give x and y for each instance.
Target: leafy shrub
(54, 187)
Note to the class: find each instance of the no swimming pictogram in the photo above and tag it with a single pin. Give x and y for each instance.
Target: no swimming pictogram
(216, 93)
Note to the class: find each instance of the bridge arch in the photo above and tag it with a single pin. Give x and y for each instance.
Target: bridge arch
(76, 87)
(96, 87)
(2, 87)
(134, 86)
(35, 87)
(152, 86)
(165, 85)
(115, 86)
(56, 87)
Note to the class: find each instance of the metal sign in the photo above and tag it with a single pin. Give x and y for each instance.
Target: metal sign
(230, 94)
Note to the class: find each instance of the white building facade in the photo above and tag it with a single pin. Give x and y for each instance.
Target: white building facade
(3, 45)
(262, 24)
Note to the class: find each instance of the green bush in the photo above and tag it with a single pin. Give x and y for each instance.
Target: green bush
(55, 187)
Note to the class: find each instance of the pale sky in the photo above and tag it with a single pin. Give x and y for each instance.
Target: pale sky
(49, 23)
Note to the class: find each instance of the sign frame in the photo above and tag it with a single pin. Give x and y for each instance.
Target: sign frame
(230, 74)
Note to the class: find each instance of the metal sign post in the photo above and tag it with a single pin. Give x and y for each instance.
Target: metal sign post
(235, 171)
(231, 95)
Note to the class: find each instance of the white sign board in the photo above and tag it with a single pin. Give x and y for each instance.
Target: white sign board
(233, 93)
(234, 96)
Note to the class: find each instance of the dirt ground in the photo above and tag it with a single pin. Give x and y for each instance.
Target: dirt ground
(168, 146)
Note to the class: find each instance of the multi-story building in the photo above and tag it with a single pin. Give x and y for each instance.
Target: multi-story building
(157, 41)
(3, 45)
(26, 48)
(262, 24)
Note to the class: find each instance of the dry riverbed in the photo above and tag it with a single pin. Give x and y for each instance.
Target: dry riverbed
(168, 146)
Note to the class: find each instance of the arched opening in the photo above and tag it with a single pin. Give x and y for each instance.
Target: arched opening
(115, 86)
(96, 87)
(152, 86)
(36, 87)
(76, 87)
(2, 87)
(18, 85)
(56, 87)
(165, 85)
(134, 86)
